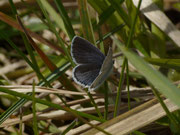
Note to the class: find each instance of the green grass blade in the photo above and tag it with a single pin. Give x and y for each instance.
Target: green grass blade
(160, 36)
(125, 60)
(52, 27)
(166, 63)
(28, 47)
(13, 8)
(117, 6)
(114, 20)
(31, 54)
(104, 16)
(64, 80)
(138, 133)
(72, 125)
(21, 123)
(118, 97)
(3, 35)
(127, 83)
(66, 20)
(50, 104)
(168, 113)
(100, 38)
(106, 102)
(53, 76)
(133, 25)
(86, 22)
(35, 124)
(140, 45)
(160, 82)
(94, 104)
(54, 15)
(116, 29)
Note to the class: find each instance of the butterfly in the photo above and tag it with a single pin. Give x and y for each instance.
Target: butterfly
(93, 67)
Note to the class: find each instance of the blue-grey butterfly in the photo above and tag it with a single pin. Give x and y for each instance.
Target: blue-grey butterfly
(93, 67)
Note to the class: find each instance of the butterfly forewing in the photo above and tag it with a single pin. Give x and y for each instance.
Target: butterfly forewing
(83, 52)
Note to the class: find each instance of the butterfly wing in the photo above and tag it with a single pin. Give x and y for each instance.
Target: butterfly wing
(105, 71)
(83, 52)
(85, 74)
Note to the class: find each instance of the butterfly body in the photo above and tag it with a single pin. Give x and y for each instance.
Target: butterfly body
(93, 67)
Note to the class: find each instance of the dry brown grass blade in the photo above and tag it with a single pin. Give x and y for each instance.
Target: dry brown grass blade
(141, 119)
(59, 114)
(81, 129)
(153, 13)
(39, 89)
(46, 60)
(135, 118)
(63, 79)
(136, 92)
(14, 24)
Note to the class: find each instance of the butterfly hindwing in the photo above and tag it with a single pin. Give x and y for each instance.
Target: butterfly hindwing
(83, 52)
(86, 74)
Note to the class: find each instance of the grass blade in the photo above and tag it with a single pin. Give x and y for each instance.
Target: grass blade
(86, 22)
(166, 63)
(52, 27)
(72, 125)
(10, 21)
(125, 60)
(106, 102)
(63, 79)
(160, 82)
(117, 6)
(50, 104)
(110, 33)
(118, 97)
(169, 115)
(53, 76)
(51, 11)
(57, 106)
(28, 47)
(35, 124)
(66, 20)
(23, 56)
